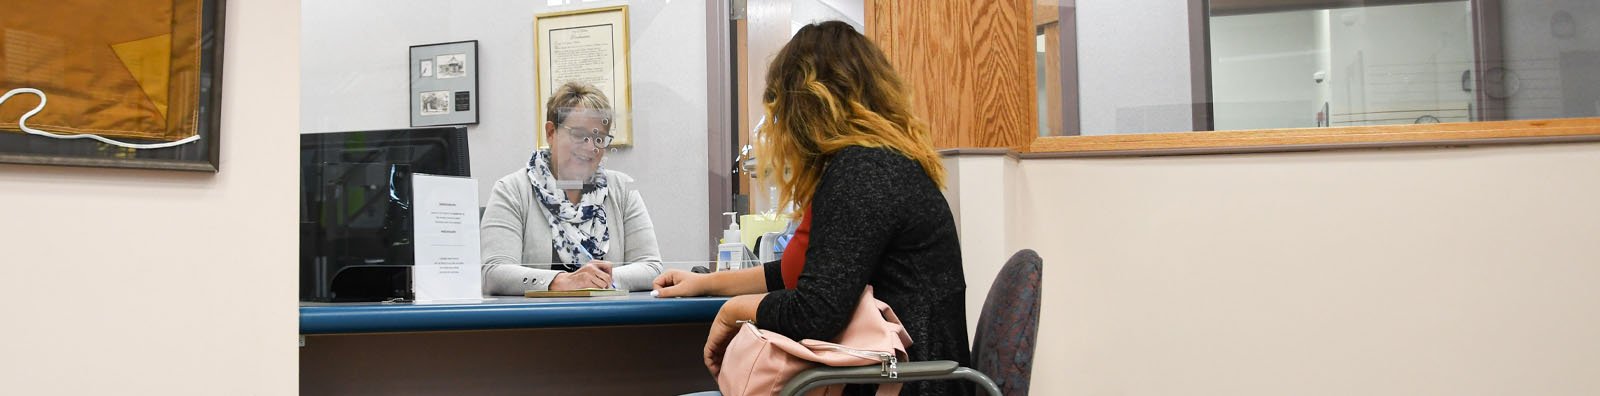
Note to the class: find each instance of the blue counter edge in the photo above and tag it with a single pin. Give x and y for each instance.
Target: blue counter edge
(410, 318)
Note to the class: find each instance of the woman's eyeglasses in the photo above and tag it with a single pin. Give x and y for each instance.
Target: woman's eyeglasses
(593, 136)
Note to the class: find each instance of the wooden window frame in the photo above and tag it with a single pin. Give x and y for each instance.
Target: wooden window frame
(1561, 130)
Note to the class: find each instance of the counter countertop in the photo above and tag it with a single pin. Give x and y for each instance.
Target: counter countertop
(637, 308)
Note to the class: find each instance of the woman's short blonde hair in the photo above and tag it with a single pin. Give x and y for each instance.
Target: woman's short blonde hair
(573, 96)
(828, 89)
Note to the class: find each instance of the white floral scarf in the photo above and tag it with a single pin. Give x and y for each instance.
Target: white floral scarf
(579, 230)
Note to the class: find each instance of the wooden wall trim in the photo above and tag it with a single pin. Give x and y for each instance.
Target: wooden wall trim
(970, 66)
(1267, 140)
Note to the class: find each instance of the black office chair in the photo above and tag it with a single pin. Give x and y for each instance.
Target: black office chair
(1002, 348)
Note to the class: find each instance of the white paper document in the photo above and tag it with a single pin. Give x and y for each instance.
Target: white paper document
(445, 221)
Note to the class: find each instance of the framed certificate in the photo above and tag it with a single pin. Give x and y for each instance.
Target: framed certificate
(444, 84)
(591, 46)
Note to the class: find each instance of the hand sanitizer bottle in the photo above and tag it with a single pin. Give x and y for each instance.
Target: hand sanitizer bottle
(730, 253)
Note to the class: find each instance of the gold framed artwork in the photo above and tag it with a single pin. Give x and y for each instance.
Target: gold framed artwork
(588, 45)
(127, 84)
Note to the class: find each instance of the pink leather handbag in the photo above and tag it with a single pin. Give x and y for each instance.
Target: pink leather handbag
(760, 362)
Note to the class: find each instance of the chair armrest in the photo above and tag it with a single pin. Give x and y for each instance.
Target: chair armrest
(908, 371)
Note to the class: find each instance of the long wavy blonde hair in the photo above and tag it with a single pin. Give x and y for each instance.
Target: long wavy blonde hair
(829, 89)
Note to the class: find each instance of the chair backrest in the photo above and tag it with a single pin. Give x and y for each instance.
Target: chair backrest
(1009, 324)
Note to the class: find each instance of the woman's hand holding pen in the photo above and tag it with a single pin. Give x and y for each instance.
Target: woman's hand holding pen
(594, 275)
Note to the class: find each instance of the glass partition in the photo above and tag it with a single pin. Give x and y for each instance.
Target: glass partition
(360, 71)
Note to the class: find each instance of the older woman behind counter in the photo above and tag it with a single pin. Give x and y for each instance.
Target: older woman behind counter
(567, 212)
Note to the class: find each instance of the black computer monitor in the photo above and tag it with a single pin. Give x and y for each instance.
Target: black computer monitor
(355, 207)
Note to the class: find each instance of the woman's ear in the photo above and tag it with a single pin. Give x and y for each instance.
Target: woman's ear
(549, 132)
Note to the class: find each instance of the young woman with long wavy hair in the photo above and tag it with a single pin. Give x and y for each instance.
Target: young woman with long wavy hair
(844, 146)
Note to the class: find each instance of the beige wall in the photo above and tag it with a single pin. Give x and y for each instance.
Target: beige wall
(161, 282)
(1420, 271)
(984, 224)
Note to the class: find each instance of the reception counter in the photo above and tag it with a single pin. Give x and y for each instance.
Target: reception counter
(633, 344)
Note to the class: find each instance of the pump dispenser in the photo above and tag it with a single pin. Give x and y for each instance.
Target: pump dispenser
(730, 253)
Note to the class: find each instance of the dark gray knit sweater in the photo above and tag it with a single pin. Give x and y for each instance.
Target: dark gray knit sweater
(877, 219)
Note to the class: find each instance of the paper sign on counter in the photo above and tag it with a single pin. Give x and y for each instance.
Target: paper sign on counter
(445, 216)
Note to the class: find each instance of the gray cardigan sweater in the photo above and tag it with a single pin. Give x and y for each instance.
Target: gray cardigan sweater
(515, 234)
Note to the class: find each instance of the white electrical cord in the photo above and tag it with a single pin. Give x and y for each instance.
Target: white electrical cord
(23, 124)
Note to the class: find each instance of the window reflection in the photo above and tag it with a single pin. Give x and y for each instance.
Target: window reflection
(1396, 64)
(1266, 64)
(1402, 62)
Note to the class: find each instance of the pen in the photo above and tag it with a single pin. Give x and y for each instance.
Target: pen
(586, 258)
